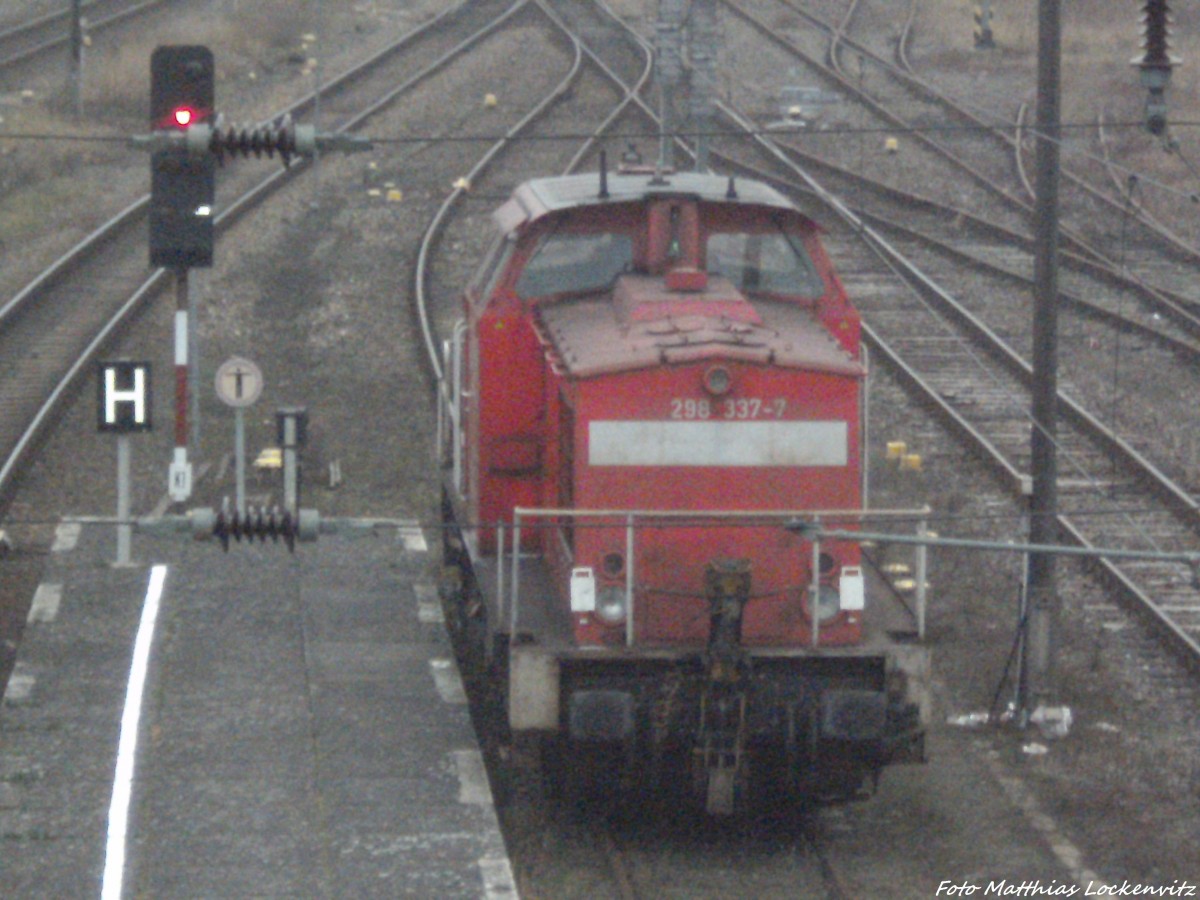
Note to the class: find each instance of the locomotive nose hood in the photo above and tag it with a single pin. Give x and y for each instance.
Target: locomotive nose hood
(647, 323)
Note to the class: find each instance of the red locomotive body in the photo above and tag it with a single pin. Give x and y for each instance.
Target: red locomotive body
(656, 378)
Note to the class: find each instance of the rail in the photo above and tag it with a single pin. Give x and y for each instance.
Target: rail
(508, 587)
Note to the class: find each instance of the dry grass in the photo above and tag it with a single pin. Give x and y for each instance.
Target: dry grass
(39, 175)
(1099, 38)
(118, 81)
(26, 166)
(116, 93)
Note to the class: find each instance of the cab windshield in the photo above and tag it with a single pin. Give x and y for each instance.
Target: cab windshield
(772, 262)
(574, 262)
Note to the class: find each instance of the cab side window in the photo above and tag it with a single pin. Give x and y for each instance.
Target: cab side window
(484, 281)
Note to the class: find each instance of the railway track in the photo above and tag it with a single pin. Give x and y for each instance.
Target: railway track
(987, 402)
(933, 337)
(638, 864)
(630, 70)
(54, 326)
(30, 41)
(927, 335)
(989, 140)
(622, 111)
(1091, 290)
(985, 151)
(1002, 426)
(766, 859)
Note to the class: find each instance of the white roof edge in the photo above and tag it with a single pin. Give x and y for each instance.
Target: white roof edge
(542, 196)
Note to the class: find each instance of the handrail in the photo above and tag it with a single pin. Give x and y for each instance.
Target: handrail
(540, 512)
(630, 519)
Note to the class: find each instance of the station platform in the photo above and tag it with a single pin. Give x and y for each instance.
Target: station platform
(303, 728)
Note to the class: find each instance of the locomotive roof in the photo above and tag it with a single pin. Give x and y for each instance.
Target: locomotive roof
(542, 196)
(595, 335)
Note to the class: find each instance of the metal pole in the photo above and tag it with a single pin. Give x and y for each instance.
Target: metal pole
(666, 142)
(499, 574)
(1022, 691)
(318, 72)
(193, 356)
(289, 464)
(834, 534)
(179, 473)
(1043, 596)
(125, 528)
(864, 439)
(921, 570)
(668, 64)
(76, 74)
(703, 47)
(239, 456)
(514, 611)
(814, 589)
(456, 392)
(862, 124)
(629, 580)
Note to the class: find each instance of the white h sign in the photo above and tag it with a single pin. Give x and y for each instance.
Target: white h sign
(124, 396)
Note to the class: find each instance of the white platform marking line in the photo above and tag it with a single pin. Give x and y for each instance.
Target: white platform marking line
(498, 878)
(447, 681)
(429, 607)
(473, 786)
(413, 538)
(1068, 854)
(20, 685)
(45, 603)
(118, 810)
(66, 536)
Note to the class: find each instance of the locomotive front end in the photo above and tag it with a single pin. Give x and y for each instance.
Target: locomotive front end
(705, 630)
(656, 385)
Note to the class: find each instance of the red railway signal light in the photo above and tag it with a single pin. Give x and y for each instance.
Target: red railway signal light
(181, 86)
(182, 187)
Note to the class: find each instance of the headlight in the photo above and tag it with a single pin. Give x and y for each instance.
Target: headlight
(610, 604)
(717, 381)
(829, 603)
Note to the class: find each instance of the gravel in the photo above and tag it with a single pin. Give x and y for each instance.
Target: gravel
(315, 291)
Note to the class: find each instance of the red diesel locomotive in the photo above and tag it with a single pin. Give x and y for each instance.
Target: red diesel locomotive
(657, 378)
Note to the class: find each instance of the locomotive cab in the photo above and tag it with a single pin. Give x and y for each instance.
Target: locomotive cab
(651, 385)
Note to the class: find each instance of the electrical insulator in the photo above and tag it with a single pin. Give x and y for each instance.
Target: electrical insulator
(984, 38)
(212, 143)
(256, 523)
(1156, 61)
(1156, 36)
(284, 137)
